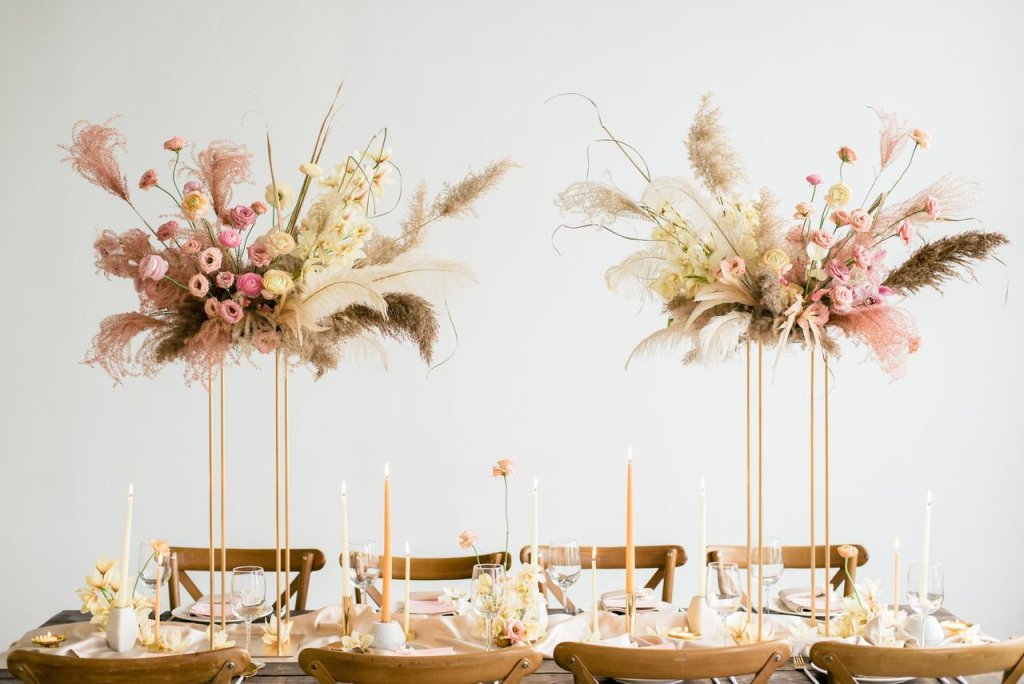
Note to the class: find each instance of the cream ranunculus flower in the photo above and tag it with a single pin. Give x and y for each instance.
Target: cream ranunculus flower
(283, 198)
(195, 204)
(838, 195)
(776, 260)
(310, 169)
(276, 283)
(279, 242)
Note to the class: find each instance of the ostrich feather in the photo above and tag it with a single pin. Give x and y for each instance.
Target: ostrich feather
(718, 339)
(662, 340)
(324, 294)
(421, 274)
(633, 275)
(710, 296)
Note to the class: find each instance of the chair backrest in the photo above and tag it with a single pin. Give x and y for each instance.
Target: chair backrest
(587, 662)
(436, 569)
(509, 666)
(207, 667)
(799, 557)
(194, 559)
(844, 661)
(664, 558)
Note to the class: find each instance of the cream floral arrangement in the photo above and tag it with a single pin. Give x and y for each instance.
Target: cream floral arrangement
(728, 266)
(522, 612)
(100, 591)
(306, 272)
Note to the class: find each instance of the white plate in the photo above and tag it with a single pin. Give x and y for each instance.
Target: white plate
(872, 680)
(181, 613)
(778, 606)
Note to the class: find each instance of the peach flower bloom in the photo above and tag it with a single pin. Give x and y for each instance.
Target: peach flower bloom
(212, 307)
(840, 218)
(191, 247)
(231, 311)
(804, 210)
(210, 260)
(153, 267)
(922, 137)
(175, 144)
(503, 468)
(860, 220)
(906, 231)
(823, 238)
(846, 154)
(931, 207)
(198, 285)
(468, 539)
(847, 551)
(195, 204)
(148, 180)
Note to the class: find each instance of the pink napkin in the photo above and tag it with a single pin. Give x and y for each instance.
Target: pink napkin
(201, 608)
(799, 599)
(616, 600)
(429, 608)
(425, 595)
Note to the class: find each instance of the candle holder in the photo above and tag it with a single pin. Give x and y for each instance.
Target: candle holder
(698, 619)
(49, 640)
(122, 629)
(388, 636)
(346, 616)
(631, 615)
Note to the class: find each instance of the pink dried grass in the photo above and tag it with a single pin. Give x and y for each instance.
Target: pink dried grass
(887, 330)
(119, 255)
(892, 138)
(112, 345)
(221, 165)
(955, 195)
(92, 154)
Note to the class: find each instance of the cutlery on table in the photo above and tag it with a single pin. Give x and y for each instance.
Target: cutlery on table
(800, 663)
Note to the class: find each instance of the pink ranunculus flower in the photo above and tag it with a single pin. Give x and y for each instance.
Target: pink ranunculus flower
(795, 234)
(803, 210)
(153, 267)
(249, 284)
(931, 207)
(906, 231)
(840, 218)
(210, 260)
(191, 186)
(167, 231)
(199, 285)
(259, 207)
(860, 220)
(229, 237)
(846, 154)
(913, 344)
(503, 468)
(266, 341)
(175, 144)
(515, 630)
(823, 238)
(838, 270)
(242, 216)
(149, 179)
(191, 247)
(468, 539)
(733, 267)
(231, 311)
(225, 279)
(260, 254)
(212, 307)
(842, 298)
(814, 179)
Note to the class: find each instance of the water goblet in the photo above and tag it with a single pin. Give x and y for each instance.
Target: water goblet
(364, 564)
(925, 594)
(769, 570)
(488, 586)
(249, 596)
(564, 566)
(722, 592)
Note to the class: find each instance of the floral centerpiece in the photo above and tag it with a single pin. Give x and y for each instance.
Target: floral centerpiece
(728, 267)
(100, 590)
(218, 278)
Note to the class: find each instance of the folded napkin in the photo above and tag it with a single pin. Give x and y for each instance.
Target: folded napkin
(425, 595)
(201, 608)
(434, 607)
(616, 600)
(798, 600)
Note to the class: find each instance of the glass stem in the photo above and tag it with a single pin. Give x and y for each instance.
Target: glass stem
(488, 624)
(248, 635)
(723, 631)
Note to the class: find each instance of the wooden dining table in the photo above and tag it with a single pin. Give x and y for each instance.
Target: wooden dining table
(288, 671)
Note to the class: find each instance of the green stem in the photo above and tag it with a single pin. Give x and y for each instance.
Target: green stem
(507, 559)
(476, 553)
(174, 173)
(905, 169)
(846, 571)
(143, 220)
(167, 277)
(145, 565)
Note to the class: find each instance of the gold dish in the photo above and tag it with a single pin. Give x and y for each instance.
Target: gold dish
(49, 640)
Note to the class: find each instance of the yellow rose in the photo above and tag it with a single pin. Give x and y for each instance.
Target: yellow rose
(276, 283)
(837, 196)
(194, 204)
(776, 260)
(283, 198)
(279, 242)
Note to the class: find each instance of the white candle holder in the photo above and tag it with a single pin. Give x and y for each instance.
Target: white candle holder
(699, 619)
(122, 629)
(388, 636)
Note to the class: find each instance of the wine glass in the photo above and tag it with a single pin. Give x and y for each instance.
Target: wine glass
(249, 596)
(364, 564)
(145, 574)
(769, 571)
(928, 601)
(564, 566)
(722, 593)
(488, 585)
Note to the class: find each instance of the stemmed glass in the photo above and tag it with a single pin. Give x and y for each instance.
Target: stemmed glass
(564, 566)
(365, 566)
(249, 595)
(722, 593)
(148, 561)
(933, 596)
(770, 569)
(488, 585)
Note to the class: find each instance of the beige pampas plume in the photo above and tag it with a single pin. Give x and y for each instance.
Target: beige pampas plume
(944, 259)
(714, 160)
(599, 202)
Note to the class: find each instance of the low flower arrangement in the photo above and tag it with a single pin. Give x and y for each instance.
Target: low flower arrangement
(100, 591)
(728, 266)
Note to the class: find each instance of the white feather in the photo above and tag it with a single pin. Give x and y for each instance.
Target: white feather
(420, 274)
(633, 275)
(664, 339)
(718, 339)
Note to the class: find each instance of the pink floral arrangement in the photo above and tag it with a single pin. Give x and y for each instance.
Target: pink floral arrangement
(226, 272)
(730, 268)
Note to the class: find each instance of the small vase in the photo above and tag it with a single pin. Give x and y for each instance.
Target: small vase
(388, 636)
(698, 619)
(122, 629)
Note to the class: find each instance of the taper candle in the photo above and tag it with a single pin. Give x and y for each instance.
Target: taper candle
(922, 589)
(702, 548)
(534, 541)
(385, 605)
(593, 589)
(408, 567)
(896, 579)
(630, 548)
(346, 576)
(122, 594)
(156, 598)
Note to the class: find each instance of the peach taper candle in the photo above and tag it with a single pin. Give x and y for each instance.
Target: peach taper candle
(385, 605)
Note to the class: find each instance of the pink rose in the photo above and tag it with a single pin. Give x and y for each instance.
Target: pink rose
(250, 284)
(795, 234)
(175, 144)
(152, 267)
(260, 254)
(266, 341)
(842, 298)
(167, 231)
(191, 247)
(814, 179)
(840, 218)
(803, 210)
(191, 186)
(906, 231)
(846, 154)
(862, 256)
(823, 238)
(931, 207)
(242, 217)
(212, 307)
(468, 539)
(148, 179)
(225, 279)
(733, 267)
(231, 311)
(503, 468)
(258, 207)
(210, 260)
(198, 285)
(838, 270)
(515, 630)
(229, 237)
(860, 220)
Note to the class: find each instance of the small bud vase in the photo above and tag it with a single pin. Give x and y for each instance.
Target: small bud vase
(122, 629)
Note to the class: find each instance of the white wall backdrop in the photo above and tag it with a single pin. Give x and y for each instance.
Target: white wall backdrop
(538, 375)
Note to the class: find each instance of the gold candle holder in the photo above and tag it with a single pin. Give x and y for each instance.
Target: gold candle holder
(49, 640)
(631, 615)
(209, 394)
(277, 492)
(347, 617)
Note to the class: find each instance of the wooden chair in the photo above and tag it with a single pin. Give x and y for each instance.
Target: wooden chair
(207, 667)
(193, 559)
(843, 661)
(665, 558)
(508, 666)
(587, 662)
(799, 557)
(437, 569)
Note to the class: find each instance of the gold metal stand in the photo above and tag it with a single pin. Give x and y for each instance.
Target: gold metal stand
(814, 538)
(760, 490)
(827, 492)
(209, 388)
(750, 586)
(631, 615)
(282, 471)
(828, 543)
(212, 504)
(346, 616)
(277, 493)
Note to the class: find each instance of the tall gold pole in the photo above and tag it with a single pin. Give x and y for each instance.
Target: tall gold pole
(287, 507)
(750, 586)
(277, 493)
(828, 547)
(209, 388)
(814, 538)
(223, 543)
(760, 491)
